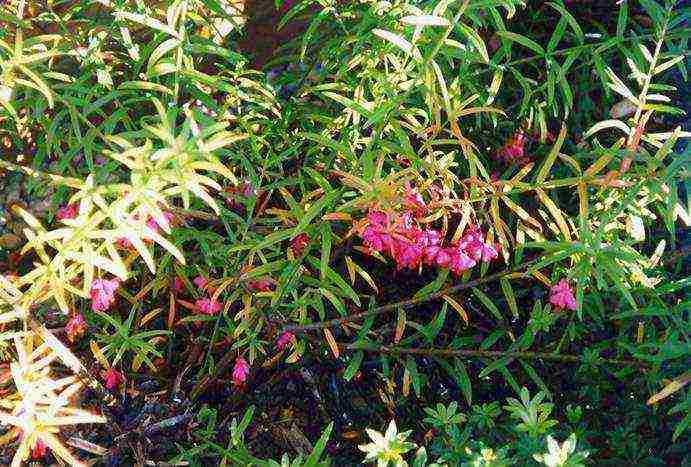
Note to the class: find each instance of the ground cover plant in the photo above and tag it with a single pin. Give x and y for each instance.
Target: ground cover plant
(321, 232)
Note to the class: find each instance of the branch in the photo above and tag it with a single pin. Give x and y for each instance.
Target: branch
(435, 352)
(407, 303)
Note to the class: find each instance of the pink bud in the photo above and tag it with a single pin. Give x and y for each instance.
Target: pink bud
(178, 285)
(153, 224)
(413, 199)
(299, 243)
(123, 243)
(67, 212)
(113, 378)
(39, 450)
(240, 371)
(263, 284)
(103, 293)
(201, 282)
(208, 306)
(75, 327)
(284, 339)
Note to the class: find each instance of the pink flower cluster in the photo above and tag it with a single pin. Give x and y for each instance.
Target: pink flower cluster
(411, 246)
(103, 293)
(561, 296)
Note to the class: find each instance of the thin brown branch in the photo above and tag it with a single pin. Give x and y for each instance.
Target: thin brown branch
(408, 303)
(435, 352)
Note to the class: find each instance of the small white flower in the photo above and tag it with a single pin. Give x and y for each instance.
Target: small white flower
(561, 456)
(387, 448)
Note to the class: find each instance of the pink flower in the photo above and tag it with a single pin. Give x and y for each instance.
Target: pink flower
(407, 254)
(75, 326)
(201, 282)
(208, 306)
(284, 339)
(263, 284)
(39, 450)
(430, 242)
(113, 378)
(378, 218)
(123, 243)
(444, 257)
(413, 199)
(561, 296)
(488, 252)
(67, 212)
(513, 150)
(460, 262)
(153, 224)
(178, 284)
(248, 189)
(103, 293)
(375, 239)
(299, 243)
(240, 371)
(376, 236)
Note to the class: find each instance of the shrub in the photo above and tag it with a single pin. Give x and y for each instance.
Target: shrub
(493, 190)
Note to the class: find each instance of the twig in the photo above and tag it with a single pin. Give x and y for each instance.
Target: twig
(408, 303)
(431, 352)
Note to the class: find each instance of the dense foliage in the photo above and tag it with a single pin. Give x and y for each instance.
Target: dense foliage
(426, 232)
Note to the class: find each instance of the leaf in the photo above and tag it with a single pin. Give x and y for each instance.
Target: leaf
(672, 387)
(510, 296)
(570, 19)
(145, 86)
(556, 213)
(488, 304)
(146, 21)
(337, 280)
(457, 306)
(332, 342)
(349, 103)
(524, 41)
(608, 124)
(411, 367)
(160, 51)
(500, 363)
(668, 64)
(328, 142)
(656, 12)
(425, 20)
(476, 40)
(326, 251)
(535, 377)
(551, 157)
(460, 375)
(399, 42)
(353, 365)
(313, 459)
(400, 325)
(622, 19)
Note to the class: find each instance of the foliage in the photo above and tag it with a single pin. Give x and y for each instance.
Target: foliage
(492, 189)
